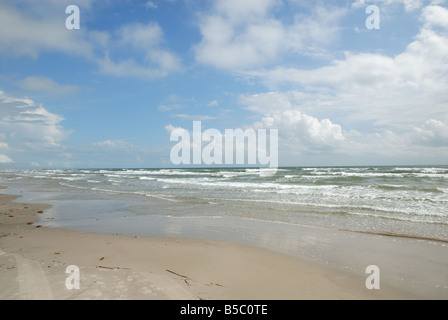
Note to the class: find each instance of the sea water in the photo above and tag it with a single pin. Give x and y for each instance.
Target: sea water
(409, 201)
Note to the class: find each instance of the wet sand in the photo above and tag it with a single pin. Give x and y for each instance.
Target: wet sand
(34, 258)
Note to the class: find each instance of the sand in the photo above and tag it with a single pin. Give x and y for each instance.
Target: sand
(34, 259)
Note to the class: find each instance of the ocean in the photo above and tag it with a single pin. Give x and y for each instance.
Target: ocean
(409, 201)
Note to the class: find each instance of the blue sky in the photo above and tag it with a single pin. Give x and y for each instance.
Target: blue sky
(110, 93)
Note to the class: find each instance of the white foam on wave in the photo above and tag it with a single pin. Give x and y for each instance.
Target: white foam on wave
(148, 178)
(414, 196)
(165, 172)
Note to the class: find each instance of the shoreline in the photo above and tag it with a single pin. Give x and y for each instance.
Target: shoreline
(398, 235)
(33, 261)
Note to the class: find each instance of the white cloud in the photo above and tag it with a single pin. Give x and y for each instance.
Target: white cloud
(33, 32)
(169, 107)
(46, 85)
(435, 16)
(213, 103)
(29, 124)
(310, 33)
(241, 11)
(44, 6)
(222, 48)
(5, 159)
(170, 128)
(113, 144)
(302, 136)
(240, 35)
(151, 5)
(128, 68)
(141, 36)
(432, 132)
(409, 5)
(299, 132)
(40, 28)
(29, 129)
(396, 92)
(146, 40)
(303, 130)
(176, 102)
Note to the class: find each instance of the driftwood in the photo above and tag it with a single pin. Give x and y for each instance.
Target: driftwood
(177, 274)
(112, 268)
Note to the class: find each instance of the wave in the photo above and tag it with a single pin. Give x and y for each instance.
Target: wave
(409, 188)
(389, 188)
(166, 172)
(148, 178)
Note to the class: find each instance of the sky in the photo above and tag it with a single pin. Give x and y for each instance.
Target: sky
(109, 94)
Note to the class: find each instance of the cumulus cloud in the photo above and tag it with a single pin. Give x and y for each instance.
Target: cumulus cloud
(356, 104)
(29, 129)
(222, 47)
(240, 35)
(146, 40)
(304, 130)
(302, 134)
(5, 159)
(27, 123)
(435, 15)
(387, 91)
(298, 132)
(432, 132)
(35, 32)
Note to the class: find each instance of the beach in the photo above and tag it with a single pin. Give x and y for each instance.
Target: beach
(224, 150)
(34, 258)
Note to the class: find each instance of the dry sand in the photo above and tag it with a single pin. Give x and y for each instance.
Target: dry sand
(33, 262)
